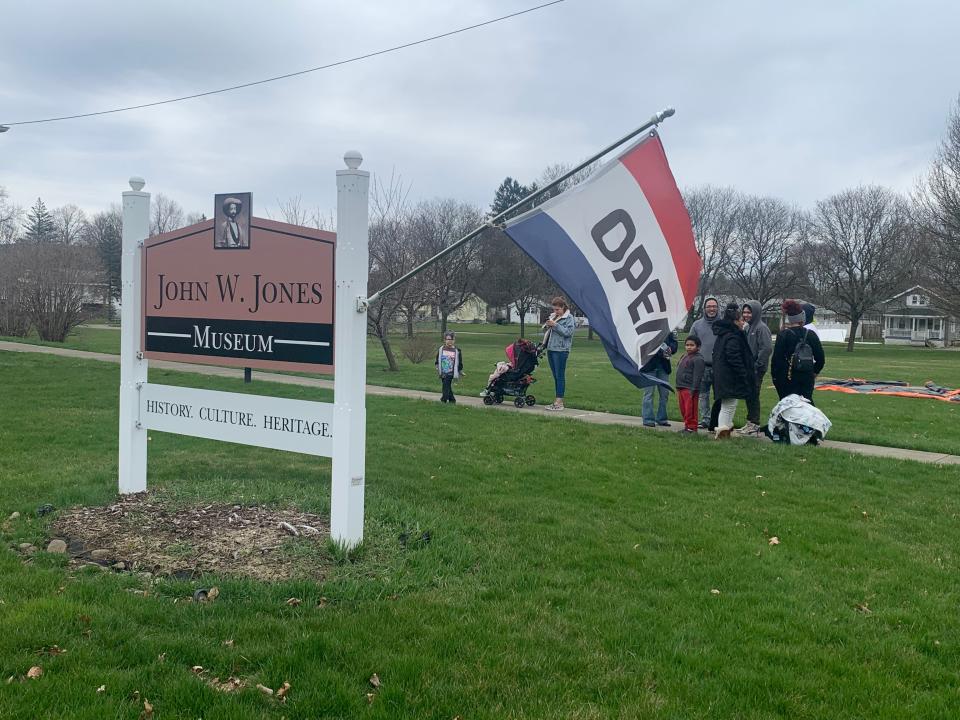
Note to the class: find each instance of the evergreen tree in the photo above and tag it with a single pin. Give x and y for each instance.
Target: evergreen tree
(39, 226)
(509, 193)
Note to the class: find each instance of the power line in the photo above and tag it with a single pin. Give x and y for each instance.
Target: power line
(292, 74)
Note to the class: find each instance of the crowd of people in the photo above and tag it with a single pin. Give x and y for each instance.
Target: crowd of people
(726, 355)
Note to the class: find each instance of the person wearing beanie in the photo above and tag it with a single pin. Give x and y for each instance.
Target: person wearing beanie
(808, 310)
(734, 373)
(761, 345)
(788, 377)
(702, 329)
(449, 365)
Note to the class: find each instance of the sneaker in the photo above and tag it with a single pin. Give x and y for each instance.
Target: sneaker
(751, 428)
(649, 424)
(554, 406)
(688, 431)
(723, 433)
(703, 425)
(664, 423)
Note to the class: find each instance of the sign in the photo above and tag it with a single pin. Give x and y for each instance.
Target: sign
(279, 423)
(241, 292)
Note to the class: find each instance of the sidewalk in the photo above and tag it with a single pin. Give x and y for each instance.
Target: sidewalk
(598, 418)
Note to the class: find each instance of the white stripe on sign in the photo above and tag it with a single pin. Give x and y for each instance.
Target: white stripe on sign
(280, 423)
(159, 334)
(301, 342)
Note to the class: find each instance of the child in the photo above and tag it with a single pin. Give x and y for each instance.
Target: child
(449, 366)
(690, 371)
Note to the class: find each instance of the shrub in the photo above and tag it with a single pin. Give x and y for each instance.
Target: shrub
(418, 348)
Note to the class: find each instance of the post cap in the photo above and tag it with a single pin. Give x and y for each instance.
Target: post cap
(352, 158)
(137, 183)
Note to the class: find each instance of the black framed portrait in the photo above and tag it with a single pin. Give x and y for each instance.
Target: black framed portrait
(231, 220)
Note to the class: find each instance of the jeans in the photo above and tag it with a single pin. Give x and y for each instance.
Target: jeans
(447, 384)
(706, 385)
(558, 366)
(728, 408)
(753, 403)
(648, 392)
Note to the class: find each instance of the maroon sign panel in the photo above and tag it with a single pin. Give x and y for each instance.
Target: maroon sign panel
(263, 301)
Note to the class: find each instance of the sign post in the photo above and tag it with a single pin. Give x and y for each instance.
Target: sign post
(250, 292)
(350, 354)
(133, 366)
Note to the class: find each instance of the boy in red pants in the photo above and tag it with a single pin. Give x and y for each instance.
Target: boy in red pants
(689, 374)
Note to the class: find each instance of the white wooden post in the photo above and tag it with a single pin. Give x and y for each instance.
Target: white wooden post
(133, 368)
(350, 354)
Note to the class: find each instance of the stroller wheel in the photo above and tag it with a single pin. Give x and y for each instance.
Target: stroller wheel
(531, 400)
(487, 400)
(518, 401)
(498, 398)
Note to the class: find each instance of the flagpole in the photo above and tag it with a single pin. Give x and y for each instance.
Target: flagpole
(652, 122)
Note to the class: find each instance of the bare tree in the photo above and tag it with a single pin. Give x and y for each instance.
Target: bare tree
(294, 211)
(14, 313)
(451, 281)
(57, 279)
(714, 213)
(194, 218)
(389, 257)
(68, 224)
(11, 217)
(103, 232)
(863, 250)
(166, 214)
(767, 242)
(937, 212)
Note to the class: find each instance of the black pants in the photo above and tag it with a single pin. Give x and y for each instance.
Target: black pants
(753, 402)
(797, 385)
(447, 396)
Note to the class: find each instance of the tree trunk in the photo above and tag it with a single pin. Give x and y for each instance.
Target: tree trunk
(854, 326)
(443, 322)
(388, 351)
(589, 332)
(409, 324)
(522, 312)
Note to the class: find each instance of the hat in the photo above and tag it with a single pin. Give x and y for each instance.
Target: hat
(233, 201)
(808, 310)
(793, 311)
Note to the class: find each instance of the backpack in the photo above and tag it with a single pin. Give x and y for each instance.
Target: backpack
(802, 360)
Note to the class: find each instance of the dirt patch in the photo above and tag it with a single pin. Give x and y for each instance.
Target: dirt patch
(142, 533)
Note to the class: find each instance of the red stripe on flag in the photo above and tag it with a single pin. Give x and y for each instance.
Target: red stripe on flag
(648, 164)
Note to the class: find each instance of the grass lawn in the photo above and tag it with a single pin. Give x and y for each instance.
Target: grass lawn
(570, 575)
(593, 384)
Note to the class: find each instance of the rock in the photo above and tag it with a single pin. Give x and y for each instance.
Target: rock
(26, 548)
(57, 546)
(16, 516)
(101, 555)
(119, 566)
(289, 528)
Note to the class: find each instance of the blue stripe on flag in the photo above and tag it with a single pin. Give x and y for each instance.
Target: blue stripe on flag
(546, 242)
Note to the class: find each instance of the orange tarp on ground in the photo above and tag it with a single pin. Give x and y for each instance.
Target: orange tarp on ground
(856, 386)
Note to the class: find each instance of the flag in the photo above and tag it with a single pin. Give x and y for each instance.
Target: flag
(620, 245)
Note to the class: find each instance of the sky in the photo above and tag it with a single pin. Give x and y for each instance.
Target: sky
(797, 100)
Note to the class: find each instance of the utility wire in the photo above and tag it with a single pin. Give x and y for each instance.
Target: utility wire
(292, 74)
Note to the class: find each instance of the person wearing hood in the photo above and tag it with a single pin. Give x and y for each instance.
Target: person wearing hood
(790, 377)
(733, 368)
(760, 342)
(703, 330)
(808, 311)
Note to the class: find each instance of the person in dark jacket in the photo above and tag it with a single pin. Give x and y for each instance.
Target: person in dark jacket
(658, 366)
(734, 374)
(786, 377)
(690, 371)
(703, 329)
(761, 345)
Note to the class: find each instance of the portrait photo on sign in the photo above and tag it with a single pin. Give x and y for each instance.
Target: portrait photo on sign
(232, 220)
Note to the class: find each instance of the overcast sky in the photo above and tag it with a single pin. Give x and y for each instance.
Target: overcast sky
(795, 100)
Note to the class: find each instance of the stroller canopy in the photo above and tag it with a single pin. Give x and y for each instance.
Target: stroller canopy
(523, 356)
(795, 420)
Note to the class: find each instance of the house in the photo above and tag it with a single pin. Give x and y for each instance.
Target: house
(918, 317)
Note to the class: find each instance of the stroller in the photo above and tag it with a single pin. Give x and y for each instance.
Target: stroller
(794, 421)
(513, 379)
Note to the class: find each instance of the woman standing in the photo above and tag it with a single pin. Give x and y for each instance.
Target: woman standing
(560, 326)
(733, 368)
(797, 355)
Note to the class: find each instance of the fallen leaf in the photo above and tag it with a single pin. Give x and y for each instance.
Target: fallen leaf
(227, 686)
(862, 607)
(34, 672)
(375, 681)
(102, 688)
(370, 697)
(714, 591)
(161, 657)
(147, 713)
(294, 602)
(197, 670)
(52, 650)
(228, 643)
(265, 690)
(773, 541)
(282, 692)
(759, 477)
(213, 594)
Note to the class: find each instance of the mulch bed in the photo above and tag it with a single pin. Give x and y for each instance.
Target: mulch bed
(141, 533)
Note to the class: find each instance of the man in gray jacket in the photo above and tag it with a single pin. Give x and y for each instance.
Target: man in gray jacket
(761, 345)
(703, 329)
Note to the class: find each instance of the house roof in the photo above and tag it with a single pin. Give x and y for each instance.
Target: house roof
(910, 290)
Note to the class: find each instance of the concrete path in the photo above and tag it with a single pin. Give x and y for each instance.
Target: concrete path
(591, 416)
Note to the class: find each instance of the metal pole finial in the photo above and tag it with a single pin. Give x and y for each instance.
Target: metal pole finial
(137, 183)
(352, 158)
